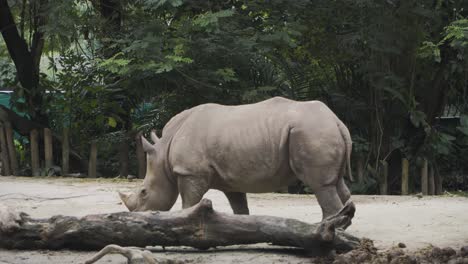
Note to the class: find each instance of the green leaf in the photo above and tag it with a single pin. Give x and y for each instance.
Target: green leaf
(417, 118)
(396, 94)
(112, 122)
(209, 19)
(227, 74)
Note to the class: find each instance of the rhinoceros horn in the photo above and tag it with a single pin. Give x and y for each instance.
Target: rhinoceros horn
(147, 146)
(154, 137)
(127, 202)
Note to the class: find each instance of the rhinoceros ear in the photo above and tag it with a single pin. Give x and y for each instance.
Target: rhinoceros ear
(147, 147)
(154, 137)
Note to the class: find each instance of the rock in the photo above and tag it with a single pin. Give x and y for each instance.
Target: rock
(457, 261)
(442, 255)
(436, 252)
(464, 251)
(404, 259)
(355, 256)
(75, 175)
(394, 253)
(448, 252)
(401, 245)
(453, 261)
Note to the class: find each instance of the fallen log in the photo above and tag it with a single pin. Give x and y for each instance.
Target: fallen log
(199, 227)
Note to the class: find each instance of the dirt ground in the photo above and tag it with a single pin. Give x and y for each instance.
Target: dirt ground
(388, 220)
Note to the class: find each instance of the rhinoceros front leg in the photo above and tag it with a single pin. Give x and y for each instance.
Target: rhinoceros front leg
(238, 202)
(191, 189)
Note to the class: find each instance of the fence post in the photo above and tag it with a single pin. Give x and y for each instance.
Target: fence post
(384, 178)
(48, 152)
(11, 148)
(438, 182)
(34, 134)
(141, 156)
(5, 160)
(424, 178)
(92, 165)
(404, 176)
(65, 152)
(360, 168)
(431, 181)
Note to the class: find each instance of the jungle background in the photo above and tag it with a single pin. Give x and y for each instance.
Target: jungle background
(99, 73)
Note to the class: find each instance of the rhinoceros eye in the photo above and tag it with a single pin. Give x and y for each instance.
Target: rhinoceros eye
(143, 192)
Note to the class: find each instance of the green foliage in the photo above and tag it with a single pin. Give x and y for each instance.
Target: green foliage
(388, 69)
(7, 73)
(7, 68)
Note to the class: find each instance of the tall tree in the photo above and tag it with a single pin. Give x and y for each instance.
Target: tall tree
(26, 58)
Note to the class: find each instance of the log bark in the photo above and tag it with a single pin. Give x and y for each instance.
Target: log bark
(65, 152)
(35, 161)
(424, 178)
(198, 226)
(5, 160)
(11, 148)
(404, 176)
(48, 152)
(92, 166)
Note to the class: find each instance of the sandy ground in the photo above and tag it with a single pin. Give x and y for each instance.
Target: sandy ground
(417, 222)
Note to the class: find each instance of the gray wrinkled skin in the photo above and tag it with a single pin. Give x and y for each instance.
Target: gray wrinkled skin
(252, 148)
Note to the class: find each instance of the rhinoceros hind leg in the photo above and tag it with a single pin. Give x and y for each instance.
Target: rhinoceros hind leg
(329, 200)
(238, 202)
(343, 190)
(191, 189)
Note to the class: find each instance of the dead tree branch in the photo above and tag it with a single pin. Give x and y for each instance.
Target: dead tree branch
(199, 227)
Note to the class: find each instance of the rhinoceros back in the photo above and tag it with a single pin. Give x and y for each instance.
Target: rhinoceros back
(244, 148)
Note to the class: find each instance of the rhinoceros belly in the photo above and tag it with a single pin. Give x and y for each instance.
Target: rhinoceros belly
(251, 156)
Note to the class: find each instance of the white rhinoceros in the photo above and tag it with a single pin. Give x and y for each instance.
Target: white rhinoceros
(252, 148)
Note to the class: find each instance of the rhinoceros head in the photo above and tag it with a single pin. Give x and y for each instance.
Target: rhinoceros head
(157, 192)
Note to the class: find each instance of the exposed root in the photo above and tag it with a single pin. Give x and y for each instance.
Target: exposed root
(133, 255)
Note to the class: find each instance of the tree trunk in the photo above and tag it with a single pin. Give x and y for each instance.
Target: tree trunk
(5, 160)
(141, 156)
(93, 160)
(65, 152)
(17, 47)
(123, 153)
(11, 148)
(48, 152)
(384, 179)
(35, 163)
(198, 226)
(424, 178)
(404, 176)
(26, 61)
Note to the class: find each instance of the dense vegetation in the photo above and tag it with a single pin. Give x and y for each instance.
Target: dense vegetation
(396, 72)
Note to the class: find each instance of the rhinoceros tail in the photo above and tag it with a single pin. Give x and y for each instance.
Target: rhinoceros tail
(348, 148)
